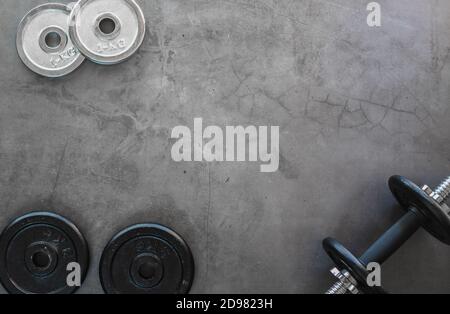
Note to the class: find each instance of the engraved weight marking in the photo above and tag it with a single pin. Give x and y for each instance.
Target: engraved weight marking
(57, 60)
(112, 45)
(146, 247)
(143, 247)
(59, 239)
(67, 253)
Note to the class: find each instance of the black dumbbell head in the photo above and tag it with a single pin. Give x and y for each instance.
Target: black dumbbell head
(412, 197)
(345, 260)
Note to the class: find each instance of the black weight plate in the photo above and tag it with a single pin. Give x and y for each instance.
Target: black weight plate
(410, 196)
(147, 259)
(35, 250)
(344, 259)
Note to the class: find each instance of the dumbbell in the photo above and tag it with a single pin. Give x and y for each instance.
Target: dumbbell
(424, 208)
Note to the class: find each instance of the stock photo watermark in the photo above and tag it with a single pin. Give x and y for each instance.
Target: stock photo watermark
(374, 17)
(374, 277)
(74, 277)
(230, 144)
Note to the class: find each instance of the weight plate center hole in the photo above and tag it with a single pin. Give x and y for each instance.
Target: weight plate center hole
(107, 26)
(41, 259)
(147, 270)
(53, 40)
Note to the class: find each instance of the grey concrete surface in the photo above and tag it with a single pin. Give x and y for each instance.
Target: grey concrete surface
(355, 105)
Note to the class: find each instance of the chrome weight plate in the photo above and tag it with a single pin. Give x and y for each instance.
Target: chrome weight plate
(107, 31)
(43, 42)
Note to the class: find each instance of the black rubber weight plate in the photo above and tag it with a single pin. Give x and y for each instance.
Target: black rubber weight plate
(344, 259)
(410, 195)
(36, 249)
(147, 259)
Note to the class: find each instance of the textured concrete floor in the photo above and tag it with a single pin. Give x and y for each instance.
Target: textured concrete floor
(354, 104)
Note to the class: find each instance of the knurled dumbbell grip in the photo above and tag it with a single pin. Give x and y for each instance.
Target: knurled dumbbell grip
(393, 239)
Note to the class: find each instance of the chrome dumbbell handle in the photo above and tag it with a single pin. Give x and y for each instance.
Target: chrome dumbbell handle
(441, 194)
(345, 284)
(444, 190)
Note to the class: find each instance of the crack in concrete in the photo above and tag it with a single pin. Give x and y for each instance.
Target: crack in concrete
(58, 171)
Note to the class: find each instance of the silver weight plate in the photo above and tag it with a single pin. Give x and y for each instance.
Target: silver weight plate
(107, 31)
(43, 41)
